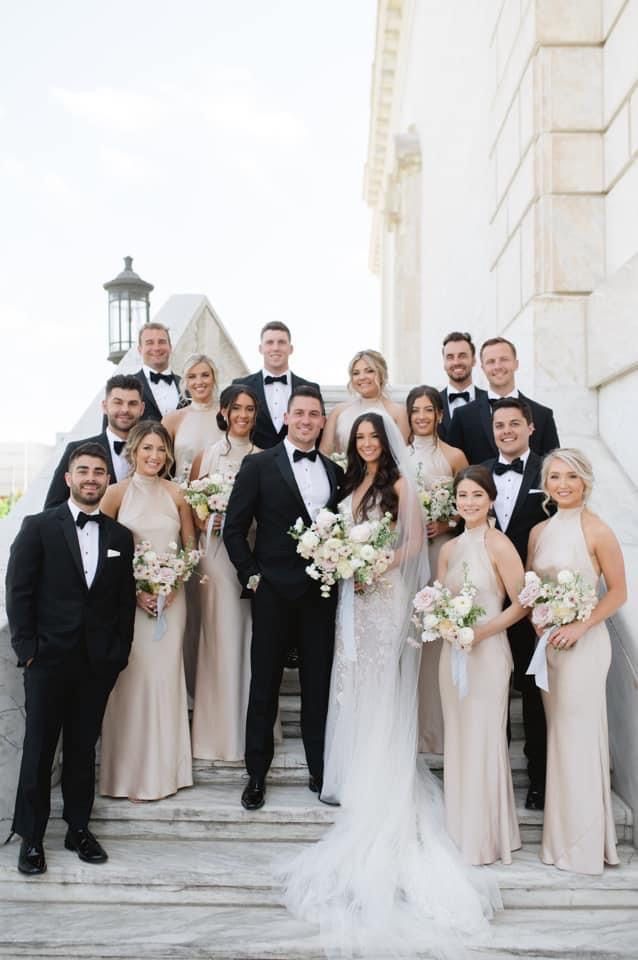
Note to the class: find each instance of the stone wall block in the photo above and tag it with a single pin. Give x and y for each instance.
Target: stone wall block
(528, 120)
(610, 11)
(529, 256)
(507, 151)
(568, 21)
(616, 142)
(621, 227)
(620, 59)
(570, 162)
(508, 278)
(517, 63)
(522, 191)
(505, 36)
(571, 88)
(611, 316)
(571, 243)
(633, 123)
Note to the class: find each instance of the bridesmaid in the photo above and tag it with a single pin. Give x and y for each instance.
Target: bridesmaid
(578, 829)
(223, 662)
(146, 751)
(368, 379)
(432, 459)
(480, 811)
(194, 427)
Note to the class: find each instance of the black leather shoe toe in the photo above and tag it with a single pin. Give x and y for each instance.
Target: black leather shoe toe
(85, 845)
(31, 860)
(535, 799)
(254, 794)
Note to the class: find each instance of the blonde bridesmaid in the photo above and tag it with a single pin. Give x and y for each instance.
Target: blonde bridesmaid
(578, 829)
(146, 750)
(432, 459)
(480, 811)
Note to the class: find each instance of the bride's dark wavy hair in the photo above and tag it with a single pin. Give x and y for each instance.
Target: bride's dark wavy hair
(381, 492)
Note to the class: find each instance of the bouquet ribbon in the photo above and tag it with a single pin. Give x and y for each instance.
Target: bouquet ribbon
(538, 664)
(209, 530)
(160, 624)
(345, 613)
(459, 670)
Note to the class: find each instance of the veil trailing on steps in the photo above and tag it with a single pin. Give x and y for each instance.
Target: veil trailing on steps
(385, 880)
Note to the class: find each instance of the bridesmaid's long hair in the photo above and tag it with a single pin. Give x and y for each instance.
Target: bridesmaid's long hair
(227, 398)
(434, 397)
(381, 492)
(137, 434)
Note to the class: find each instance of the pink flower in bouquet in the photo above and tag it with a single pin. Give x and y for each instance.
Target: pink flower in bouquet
(531, 591)
(542, 615)
(426, 599)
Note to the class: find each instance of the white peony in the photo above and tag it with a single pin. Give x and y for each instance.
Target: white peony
(361, 532)
(565, 576)
(461, 605)
(345, 569)
(367, 553)
(466, 637)
(309, 540)
(430, 621)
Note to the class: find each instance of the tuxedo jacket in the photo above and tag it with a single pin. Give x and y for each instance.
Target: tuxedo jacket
(265, 490)
(471, 430)
(58, 491)
(51, 609)
(151, 410)
(265, 435)
(444, 426)
(528, 509)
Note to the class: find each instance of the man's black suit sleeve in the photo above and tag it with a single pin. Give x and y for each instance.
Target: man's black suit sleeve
(58, 491)
(23, 574)
(240, 513)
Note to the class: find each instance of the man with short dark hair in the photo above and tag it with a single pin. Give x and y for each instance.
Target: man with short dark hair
(70, 595)
(273, 489)
(471, 427)
(518, 508)
(274, 384)
(459, 359)
(123, 407)
(160, 386)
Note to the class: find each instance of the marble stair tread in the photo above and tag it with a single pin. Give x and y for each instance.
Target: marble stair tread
(233, 873)
(157, 932)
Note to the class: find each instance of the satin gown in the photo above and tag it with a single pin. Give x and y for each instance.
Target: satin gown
(479, 796)
(578, 828)
(146, 750)
(430, 464)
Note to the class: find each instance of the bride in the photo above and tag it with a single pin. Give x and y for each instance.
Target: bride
(386, 879)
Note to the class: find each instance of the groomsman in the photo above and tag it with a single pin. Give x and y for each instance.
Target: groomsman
(160, 385)
(459, 359)
(70, 597)
(273, 384)
(519, 507)
(274, 488)
(471, 427)
(123, 408)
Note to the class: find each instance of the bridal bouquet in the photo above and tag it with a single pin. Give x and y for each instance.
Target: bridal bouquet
(437, 498)
(361, 552)
(159, 573)
(210, 495)
(440, 615)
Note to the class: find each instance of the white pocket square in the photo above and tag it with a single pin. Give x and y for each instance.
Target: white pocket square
(535, 491)
(112, 553)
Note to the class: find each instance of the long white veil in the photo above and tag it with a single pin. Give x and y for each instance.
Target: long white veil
(386, 880)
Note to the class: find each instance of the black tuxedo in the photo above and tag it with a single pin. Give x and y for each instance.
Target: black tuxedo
(471, 429)
(288, 609)
(151, 410)
(79, 639)
(527, 512)
(265, 435)
(444, 426)
(58, 491)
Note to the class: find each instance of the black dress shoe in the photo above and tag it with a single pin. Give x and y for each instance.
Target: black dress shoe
(535, 799)
(254, 794)
(292, 659)
(31, 860)
(85, 845)
(315, 784)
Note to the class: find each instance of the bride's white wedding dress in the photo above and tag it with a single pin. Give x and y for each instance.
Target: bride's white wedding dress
(385, 880)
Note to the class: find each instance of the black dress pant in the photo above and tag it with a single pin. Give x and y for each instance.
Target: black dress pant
(278, 624)
(70, 696)
(522, 640)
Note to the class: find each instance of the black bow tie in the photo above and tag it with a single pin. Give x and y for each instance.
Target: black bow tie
(302, 454)
(84, 518)
(516, 465)
(282, 379)
(118, 446)
(463, 395)
(166, 377)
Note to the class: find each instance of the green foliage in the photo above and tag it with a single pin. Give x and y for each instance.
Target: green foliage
(6, 503)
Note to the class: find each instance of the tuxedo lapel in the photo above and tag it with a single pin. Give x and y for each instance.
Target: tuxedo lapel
(102, 548)
(530, 479)
(70, 535)
(103, 440)
(151, 410)
(332, 476)
(283, 465)
(485, 416)
(447, 417)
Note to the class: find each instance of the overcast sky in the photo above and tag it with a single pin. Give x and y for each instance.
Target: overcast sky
(220, 144)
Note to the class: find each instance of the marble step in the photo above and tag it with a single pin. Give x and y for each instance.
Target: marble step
(289, 765)
(291, 812)
(208, 932)
(237, 874)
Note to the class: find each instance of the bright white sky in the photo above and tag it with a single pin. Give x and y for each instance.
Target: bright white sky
(221, 144)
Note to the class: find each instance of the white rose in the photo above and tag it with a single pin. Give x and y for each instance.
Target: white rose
(361, 532)
(309, 540)
(325, 519)
(565, 576)
(466, 637)
(367, 553)
(430, 621)
(345, 569)
(461, 605)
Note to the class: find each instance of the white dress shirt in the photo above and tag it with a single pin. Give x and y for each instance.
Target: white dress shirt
(496, 396)
(508, 486)
(166, 395)
(277, 397)
(89, 541)
(121, 466)
(459, 401)
(312, 480)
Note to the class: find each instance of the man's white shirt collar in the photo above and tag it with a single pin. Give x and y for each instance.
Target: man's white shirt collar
(75, 510)
(149, 370)
(523, 456)
(496, 396)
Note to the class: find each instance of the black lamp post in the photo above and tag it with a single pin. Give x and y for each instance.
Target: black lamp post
(129, 309)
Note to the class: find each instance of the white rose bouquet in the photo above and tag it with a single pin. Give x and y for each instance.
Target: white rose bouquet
(210, 495)
(371, 550)
(437, 498)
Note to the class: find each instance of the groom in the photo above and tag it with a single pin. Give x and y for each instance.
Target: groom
(274, 488)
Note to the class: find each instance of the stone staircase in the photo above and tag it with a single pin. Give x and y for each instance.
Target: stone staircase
(191, 877)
